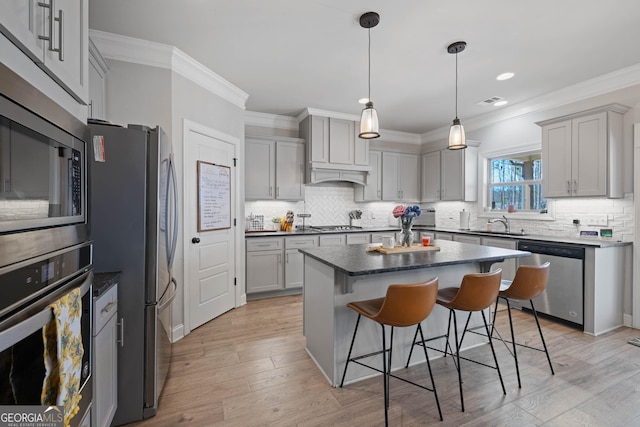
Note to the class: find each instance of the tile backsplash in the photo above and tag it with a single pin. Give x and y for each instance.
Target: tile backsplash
(329, 204)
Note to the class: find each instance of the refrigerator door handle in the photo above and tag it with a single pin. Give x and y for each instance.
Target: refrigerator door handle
(171, 298)
(176, 210)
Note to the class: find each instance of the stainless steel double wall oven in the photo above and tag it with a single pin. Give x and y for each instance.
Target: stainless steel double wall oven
(45, 252)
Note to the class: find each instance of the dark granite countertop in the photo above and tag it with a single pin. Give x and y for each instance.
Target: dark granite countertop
(102, 282)
(580, 241)
(353, 260)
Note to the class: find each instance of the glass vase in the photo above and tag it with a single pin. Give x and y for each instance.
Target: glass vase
(406, 234)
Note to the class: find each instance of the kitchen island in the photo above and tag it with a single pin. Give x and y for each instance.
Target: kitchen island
(336, 276)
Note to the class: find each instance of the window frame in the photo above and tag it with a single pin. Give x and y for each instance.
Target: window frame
(484, 209)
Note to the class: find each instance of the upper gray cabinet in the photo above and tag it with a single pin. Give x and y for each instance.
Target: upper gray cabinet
(274, 168)
(334, 152)
(582, 154)
(55, 36)
(450, 175)
(399, 177)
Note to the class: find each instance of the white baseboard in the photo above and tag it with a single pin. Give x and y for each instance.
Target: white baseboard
(177, 333)
(627, 320)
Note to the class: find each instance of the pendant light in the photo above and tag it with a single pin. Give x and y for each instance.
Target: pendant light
(369, 127)
(457, 140)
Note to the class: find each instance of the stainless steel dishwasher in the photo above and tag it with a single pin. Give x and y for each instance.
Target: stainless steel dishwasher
(564, 296)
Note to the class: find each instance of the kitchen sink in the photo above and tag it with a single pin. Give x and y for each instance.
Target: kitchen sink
(503, 233)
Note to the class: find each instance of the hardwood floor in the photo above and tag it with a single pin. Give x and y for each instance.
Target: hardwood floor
(249, 368)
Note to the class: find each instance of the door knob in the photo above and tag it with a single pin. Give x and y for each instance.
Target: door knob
(195, 240)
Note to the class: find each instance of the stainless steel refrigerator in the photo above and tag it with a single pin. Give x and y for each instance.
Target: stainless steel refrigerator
(133, 217)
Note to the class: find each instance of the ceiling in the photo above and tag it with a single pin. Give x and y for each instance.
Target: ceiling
(292, 54)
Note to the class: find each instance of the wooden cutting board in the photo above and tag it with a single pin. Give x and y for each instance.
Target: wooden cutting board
(400, 250)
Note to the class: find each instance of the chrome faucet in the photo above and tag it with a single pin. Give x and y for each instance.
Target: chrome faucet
(504, 221)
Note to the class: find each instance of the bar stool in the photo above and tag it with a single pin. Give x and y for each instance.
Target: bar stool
(529, 282)
(477, 292)
(404, 305)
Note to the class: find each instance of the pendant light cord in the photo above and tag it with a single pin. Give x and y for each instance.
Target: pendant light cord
(369, 31)
(456, 85)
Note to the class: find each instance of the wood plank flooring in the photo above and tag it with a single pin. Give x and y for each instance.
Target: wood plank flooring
(249, 368)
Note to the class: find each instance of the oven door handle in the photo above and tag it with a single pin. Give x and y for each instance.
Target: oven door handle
(17, 333)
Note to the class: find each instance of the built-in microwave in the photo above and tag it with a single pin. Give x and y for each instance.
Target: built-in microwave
(42, 172)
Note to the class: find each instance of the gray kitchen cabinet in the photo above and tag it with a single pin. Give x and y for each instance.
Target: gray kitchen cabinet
(334, 152)
(293, 269)
(462, 238)
(333, 240)
(264, 264)
(450, 175)
(372, 192)
(358, 238)
(443, 236)
(294, 259)
(508, 266)
(582, 154)
(274, 168)
(377, 237)
(65, 23)
(399, 177)
(275, 263)
(105, 358)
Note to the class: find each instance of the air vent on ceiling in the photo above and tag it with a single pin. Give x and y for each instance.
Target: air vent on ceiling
(490, 101)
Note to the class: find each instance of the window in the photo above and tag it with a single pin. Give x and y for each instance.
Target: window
(516, 180)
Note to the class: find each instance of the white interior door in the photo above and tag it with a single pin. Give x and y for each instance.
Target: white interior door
(210, 263)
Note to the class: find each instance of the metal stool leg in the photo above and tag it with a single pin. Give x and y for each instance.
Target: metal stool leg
(413, 344)
(495, 312)
(433, 384)
(385, 378)
(513, 341)
(350, 349)
(495, 359)
(535, 314)
(458, 367)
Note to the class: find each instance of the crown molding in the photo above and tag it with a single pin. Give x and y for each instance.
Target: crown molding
(144, 52)
(616, 80)
(254, 118)
(325, 113)
(96, 58)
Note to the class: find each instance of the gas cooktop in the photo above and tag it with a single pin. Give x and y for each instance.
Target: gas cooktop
(335, 227)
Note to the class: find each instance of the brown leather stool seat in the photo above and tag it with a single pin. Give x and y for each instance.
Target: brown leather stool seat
(477, 292)
(404, 305)
(529, 282)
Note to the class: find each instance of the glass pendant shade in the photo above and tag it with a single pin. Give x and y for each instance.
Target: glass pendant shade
(369, 127)
(457, 139)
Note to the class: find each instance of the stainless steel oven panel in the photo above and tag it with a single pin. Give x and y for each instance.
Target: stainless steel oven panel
(17, 247)
(26, 322)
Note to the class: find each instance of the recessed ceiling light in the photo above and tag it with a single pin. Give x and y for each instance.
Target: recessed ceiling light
(505, 76)
(500, 103)
(363, 101)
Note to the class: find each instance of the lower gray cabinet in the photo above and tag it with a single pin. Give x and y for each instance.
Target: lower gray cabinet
(265, 264)
(275, 263)
(105, 358)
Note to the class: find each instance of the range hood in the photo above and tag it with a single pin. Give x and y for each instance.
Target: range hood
(317, 175)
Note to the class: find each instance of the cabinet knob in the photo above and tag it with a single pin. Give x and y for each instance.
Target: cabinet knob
(195, 240)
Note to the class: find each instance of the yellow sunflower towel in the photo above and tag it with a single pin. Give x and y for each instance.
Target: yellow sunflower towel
(63, 355)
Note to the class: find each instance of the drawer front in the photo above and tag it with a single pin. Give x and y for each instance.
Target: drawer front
(104, 308)
(301, 242)
(333, 240)
(261, 244)
(358, 239)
